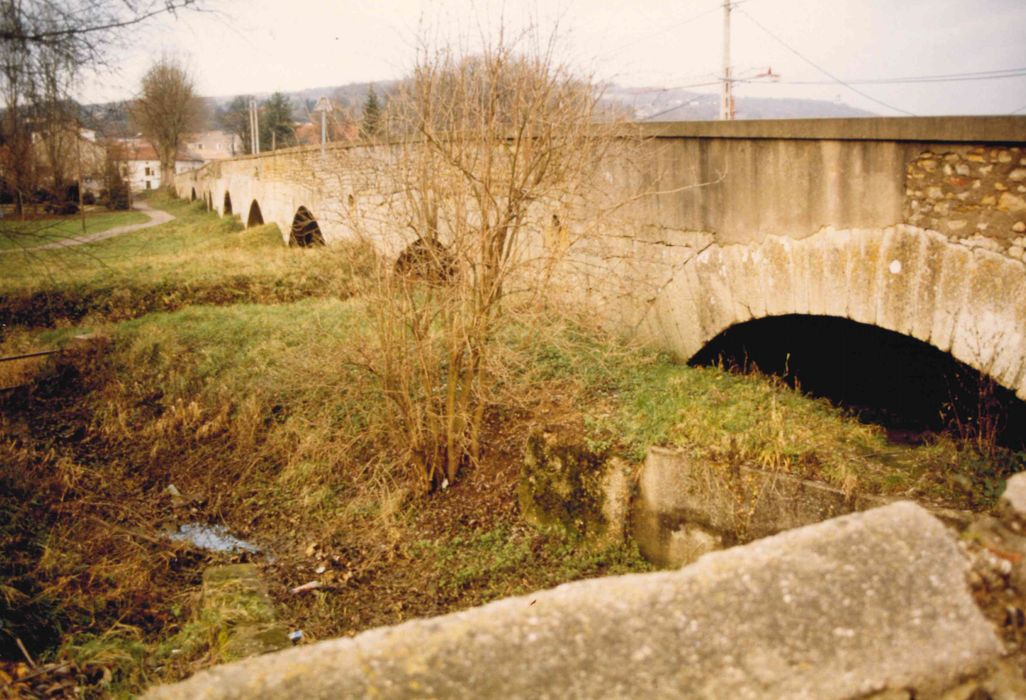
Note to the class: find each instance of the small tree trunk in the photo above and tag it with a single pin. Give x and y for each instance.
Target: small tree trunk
(167, 176)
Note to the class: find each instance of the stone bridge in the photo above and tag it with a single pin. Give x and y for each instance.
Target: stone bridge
(915, 225)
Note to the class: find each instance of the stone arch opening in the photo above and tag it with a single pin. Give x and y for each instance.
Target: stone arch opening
(256, 217)
(227, 204)
(305, 231)
(426, 259)
(909, 387)
(961, 301)
(193, 197)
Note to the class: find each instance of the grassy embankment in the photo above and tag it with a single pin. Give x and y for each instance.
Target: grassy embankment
(264, 417)
(198, 258)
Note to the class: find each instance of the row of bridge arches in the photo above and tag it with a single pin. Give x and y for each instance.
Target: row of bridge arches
(305, 231)
(208, 201)
(891, 307)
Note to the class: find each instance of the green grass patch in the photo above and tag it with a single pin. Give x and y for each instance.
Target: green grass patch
(510, 560)
(636, 398)
(198, 258)
(266, 415)
(300, 358)
(19, 235)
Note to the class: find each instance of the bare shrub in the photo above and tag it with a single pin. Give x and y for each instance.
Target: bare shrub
(486, 160)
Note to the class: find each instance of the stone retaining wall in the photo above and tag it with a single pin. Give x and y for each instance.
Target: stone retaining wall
(684, 508)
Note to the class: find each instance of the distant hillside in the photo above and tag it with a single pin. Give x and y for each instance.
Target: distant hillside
(672, 104)
(350, 95)
(659, 104)
(112, 118)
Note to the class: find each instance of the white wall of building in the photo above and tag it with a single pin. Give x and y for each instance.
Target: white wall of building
(141, 175)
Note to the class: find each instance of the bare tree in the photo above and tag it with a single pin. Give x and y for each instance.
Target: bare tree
(55, 117)
(234, 118)
(42, 44)
(167, 108)
(487, 155)
(83, 30)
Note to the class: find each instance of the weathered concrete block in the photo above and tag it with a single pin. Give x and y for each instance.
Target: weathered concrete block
(1013, 500)
(235, 600)
(567, 485)
(950, 294)
(690, 542)
(679, 497)
(717, 307)
(676, 492)
(842, 609)
(931, 257)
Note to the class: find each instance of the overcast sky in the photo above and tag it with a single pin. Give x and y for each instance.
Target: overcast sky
(259, 46)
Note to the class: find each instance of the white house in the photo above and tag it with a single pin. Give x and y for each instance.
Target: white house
(212, 145)
(139, 164)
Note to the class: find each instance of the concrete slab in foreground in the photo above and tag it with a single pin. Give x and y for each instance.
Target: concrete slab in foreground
(840, 609)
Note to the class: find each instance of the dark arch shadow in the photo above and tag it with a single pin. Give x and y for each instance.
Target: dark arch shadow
(227, 204)
(193, 197)
(909, 387)
(256, 217)
(305, 230)
(426, 259)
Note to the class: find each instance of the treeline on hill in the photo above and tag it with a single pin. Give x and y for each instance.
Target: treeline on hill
(114, 120)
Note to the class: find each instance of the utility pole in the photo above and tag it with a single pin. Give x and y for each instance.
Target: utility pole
(323, 106)
(727, 99)
(254, 127)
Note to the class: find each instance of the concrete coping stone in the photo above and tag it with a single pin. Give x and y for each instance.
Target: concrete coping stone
(983, 129)
(840, 609)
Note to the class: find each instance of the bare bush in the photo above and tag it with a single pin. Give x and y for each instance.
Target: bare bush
(486, 161)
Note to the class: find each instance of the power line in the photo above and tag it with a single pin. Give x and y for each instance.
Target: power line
(959, 75)
(822, 70)
(670, 109)
(663, 30)
(648, 91)
(954, 78)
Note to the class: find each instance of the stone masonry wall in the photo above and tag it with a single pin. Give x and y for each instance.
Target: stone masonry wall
(973, 195)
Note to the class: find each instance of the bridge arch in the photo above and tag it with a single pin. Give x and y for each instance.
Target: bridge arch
(227, 211)
(963, 301)
(427, 259)
(905, 385)
(305, 230)
(256, 217)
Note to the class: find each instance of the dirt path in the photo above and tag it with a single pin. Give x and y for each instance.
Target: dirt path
(157, 217)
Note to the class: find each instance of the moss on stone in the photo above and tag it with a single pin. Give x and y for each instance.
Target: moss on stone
(238, 611)
(562, 485)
